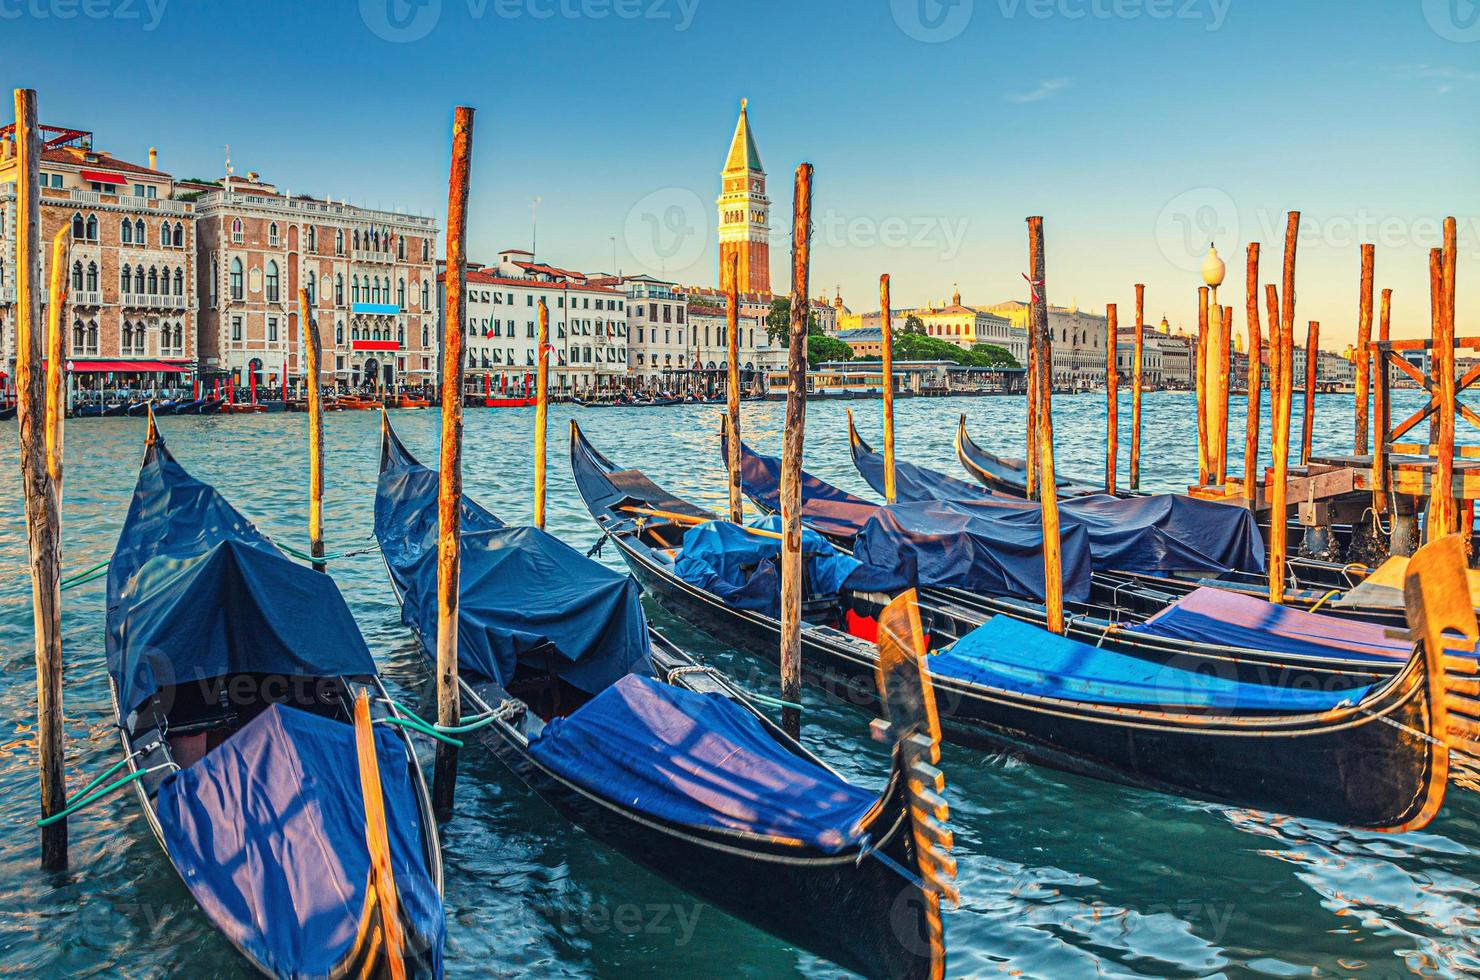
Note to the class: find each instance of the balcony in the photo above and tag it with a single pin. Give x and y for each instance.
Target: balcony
(373, 255)
(149, 302)
(86, 297)
(7, 294)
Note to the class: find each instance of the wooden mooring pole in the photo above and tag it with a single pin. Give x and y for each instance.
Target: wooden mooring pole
(1441, 520)
(1256, 352)
(1381, 414)
(1280, 406)
(541, 412)
(1312, 364)
(732, 386)
(1200, 380)
(1364, 339)
(791, 454)
(449, 488)
(887, 349)
(312, 350)
(40, 488)
(1137, 349)
(1053, 582)
(1112, 400)
(1032, 409)
(1225, 364)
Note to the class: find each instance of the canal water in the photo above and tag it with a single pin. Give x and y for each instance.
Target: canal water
(1059, 876)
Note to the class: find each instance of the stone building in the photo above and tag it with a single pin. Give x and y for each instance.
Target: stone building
(131, 320)
(1078, 339)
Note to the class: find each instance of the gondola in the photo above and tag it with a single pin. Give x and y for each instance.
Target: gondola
(1313, 583)
(662, 758)
(251, 716)
(116, 409)
(139, 409)
(1338, 751)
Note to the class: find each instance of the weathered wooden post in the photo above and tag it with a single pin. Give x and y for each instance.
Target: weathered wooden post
(313, 350)
(1281, 402)
(1381, 413)
(541, 412)
(1136, 388)
(791, 454)
(1200, 381)
(1256, 356)
(1364, 339)
(1225, 357)
(1441, 520)
(40, 487)
(449, 488)
(887, 350)
(732, 393)
(1032, 406)
(1307, 424)
(1053, 582)
(1112, 400)
(56, 332)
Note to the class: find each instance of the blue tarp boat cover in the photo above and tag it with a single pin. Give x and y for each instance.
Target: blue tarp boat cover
(947, 543)
(268, 833)
(1213, 615)
(702, 761)
(743, 568)
(1152, 534)
(1015, 656)
(834, 512)
(589, 614)
(196, 592)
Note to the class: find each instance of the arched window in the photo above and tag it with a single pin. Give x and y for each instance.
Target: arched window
(123, 279)
(179, 243)
(357, 239)
(92, 336)
(338, 289)
(375, 333)
(354, 333)
(401, 248)
(401, 335)
(139, 279)
(272, 233)
(338, 241)
(236, 230)
(126, 232)
(92, 228)
(79, 230)
(426, 247)
(77, 276)
(313, 238)
(339, 335)
(164, 281)
(165, 239)
(401, 294)
(79, 335)
(92, 276)
(272, 281)
(179, 282)
(424, 305)
(236, 279)
(424, 336)
(375, 289)
(153, 282)
(139, 232)
(128, 337)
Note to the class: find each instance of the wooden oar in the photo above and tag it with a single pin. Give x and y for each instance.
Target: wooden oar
(382, 879)
(689, 520)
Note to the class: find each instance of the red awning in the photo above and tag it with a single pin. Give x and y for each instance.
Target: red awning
(95, 367)
(374, 345)
(99, 177)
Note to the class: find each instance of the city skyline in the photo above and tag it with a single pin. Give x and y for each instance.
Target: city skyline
(1130, 187)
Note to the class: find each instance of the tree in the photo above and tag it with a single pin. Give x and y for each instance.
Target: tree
(910, 346)
(778, 322)
(821, 349)
(913, 324)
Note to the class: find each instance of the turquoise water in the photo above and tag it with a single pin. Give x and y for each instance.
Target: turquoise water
(1059, 876)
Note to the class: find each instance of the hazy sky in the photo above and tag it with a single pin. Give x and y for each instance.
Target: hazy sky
(1140, 129)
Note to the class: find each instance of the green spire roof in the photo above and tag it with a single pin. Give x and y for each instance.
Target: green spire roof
(743, 154)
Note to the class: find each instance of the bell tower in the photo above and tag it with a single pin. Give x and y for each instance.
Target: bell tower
(744, 213)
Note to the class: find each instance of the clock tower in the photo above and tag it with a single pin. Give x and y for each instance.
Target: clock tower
(744, 213)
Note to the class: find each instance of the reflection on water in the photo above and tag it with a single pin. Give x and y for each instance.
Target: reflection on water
(1059, 876)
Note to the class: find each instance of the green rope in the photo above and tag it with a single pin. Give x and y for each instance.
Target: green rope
(98, 795)
(305, 556)
(85, 576)
(476, 721)
(771, 702)
(425, 729)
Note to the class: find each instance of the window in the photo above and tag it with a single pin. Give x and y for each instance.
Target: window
(236, 329)
(401, 335)
(529, 329)
(401, 248)
(272, 233)
(355, 288)
(236, 280)
(272, 281)
(236, 230)
(401, 294)
(272, 324)
(92, 228)
(153, 281)
(313, 238)
(123, 280)
(338, 241)
(92, 337)
(339, 334)
(426, 250)
(77, 276)
(79, 230)
(139, 279)
(312, 287)
(165, 238)
(179, 238)
(679, 316)
(424, 304)
(338, 289)
(425, 340)
(79, 337)
(126, 232)
(92, 277)
(179, 282)
(215, 278)
(139, 232)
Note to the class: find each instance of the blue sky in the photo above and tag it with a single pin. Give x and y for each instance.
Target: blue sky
(1138, 128)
